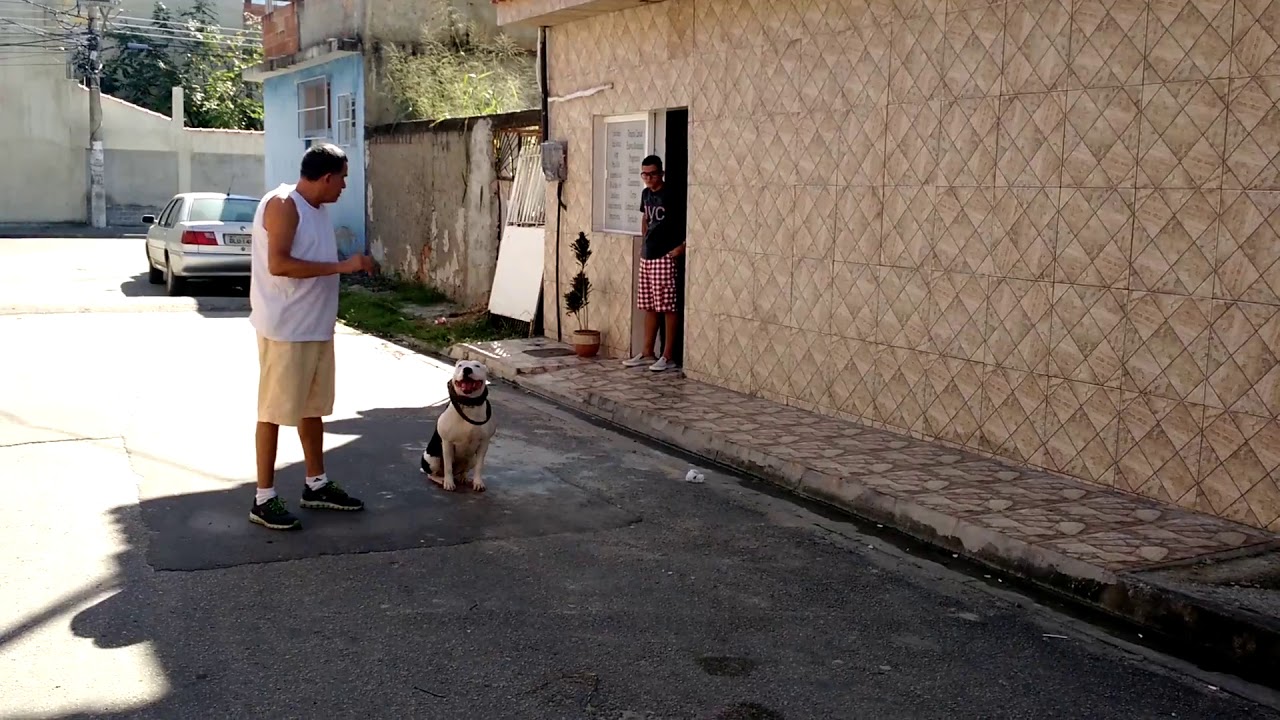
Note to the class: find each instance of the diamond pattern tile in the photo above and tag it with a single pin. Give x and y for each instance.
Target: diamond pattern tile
(1024, 233)
(1244, 358)
(963, 230)
(1183, 134)
(1101, 146)
(858, 218)
(973, 52)
(1018, 324)
(906, 315)
(1082, 430)
(811, 223)
(1248, 255)
(856, 384)
(867, 45)
(1036, 46)
(1240, 468)
(959, 315)
(910, 225)
(1188, 40)
(1095, 233)
(1159, 447)
(1256, 33)
(771, 277)
(1030, 140)
(702, 342)
(863, 136)
(1253, 134)
(954, 413)
(810, 299)
(1107, 41)
(967, 142)
(905, 391)
(854, 297)
(1167, 346)
(917, 57)
(1174, 242)
(818, 147)
(1013, 414)
(1086, 335)
(912, 143)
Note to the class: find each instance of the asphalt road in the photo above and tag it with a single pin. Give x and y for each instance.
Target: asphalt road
(589, 582)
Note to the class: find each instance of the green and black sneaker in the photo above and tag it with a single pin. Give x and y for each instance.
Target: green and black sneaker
(329, 497)
(272, 514)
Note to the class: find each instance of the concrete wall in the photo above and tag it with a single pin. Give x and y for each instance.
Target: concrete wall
(434, 202)
(919, 219)
(284, 149)
(148, 158)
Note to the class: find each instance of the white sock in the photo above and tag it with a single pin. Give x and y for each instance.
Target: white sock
(319, 481)
(265, 495)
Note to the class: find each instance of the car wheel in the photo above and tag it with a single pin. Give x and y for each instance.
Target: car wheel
(173, 284)
(155, 275)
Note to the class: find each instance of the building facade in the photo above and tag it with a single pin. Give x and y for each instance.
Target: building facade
(1044, 229)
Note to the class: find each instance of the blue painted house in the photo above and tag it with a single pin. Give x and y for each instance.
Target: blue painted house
(319, 62)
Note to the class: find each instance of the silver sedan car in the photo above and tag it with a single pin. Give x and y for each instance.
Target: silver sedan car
(199, 235)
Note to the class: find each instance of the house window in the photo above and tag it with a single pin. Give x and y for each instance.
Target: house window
(313, 109)
(346, 129)
(621, 144)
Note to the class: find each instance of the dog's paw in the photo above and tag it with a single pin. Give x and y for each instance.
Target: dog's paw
(448, 484)
(477, 484)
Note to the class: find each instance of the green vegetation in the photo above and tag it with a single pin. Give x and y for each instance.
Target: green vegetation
(457, 71)
(380, 308)
(190, 51)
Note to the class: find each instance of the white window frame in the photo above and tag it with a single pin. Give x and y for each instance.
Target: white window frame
(304, 132)
(600, 169)
(345, 127)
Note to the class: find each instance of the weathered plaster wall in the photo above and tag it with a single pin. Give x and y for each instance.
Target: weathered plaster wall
(434, 203)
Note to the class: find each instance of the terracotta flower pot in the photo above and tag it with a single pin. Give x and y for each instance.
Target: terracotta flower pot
(586, 343)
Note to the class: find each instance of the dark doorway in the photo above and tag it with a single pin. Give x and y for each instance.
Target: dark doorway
(676, 165)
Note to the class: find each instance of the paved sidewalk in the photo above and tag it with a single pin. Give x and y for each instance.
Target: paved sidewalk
(1093, 543)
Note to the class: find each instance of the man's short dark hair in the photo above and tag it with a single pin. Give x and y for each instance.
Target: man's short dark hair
(322, 159)
(652, 161)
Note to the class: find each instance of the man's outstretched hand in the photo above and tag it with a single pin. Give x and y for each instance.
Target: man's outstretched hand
(359, 263)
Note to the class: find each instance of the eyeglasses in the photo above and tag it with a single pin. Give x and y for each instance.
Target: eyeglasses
(648, 174)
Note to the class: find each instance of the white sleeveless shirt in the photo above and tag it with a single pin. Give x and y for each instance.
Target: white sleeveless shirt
(291, 309)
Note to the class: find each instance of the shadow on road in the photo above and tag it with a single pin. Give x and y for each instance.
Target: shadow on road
(215, 296)
(253, 637)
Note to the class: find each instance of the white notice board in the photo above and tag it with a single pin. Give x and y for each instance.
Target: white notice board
(626, 142)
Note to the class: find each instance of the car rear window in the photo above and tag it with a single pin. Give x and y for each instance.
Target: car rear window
(222, 210)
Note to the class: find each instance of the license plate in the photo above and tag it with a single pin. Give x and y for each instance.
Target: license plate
(236, 239)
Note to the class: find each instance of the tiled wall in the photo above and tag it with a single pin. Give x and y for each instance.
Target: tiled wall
(1043, 229)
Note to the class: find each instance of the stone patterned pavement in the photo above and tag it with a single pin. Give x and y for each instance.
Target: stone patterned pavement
(1093, 524)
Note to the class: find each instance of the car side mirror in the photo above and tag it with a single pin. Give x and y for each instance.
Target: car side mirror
(148, 219)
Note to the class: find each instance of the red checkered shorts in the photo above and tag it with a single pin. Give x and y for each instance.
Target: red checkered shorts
(656, 291)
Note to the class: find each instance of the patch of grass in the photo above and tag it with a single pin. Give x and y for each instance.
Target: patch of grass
(382, 313)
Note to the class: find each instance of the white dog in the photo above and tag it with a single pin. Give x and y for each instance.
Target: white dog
(463, 430)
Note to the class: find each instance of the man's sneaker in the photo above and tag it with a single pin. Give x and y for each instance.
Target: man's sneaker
(272, 514)
(661, 365)
(329, 497)
(637, 361)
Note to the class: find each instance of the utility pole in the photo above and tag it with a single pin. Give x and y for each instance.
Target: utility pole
(97, 162)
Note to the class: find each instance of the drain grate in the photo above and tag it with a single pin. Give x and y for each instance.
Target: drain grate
(549, 352)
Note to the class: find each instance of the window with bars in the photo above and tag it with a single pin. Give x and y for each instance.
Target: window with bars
(313, 109)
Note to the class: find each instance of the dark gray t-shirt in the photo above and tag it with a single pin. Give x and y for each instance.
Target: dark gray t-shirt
(666, 223)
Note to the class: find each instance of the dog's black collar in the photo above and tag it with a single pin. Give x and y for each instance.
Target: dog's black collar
(482, 399)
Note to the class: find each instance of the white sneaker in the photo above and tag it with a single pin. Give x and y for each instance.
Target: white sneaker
(661, 365)
(637, 361)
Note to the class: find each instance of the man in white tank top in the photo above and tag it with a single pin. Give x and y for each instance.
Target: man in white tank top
(293, 295)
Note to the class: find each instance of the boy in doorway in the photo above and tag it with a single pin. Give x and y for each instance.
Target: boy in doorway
(661, 266)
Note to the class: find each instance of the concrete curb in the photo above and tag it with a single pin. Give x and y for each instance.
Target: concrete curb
(1230, 639)
(14, 231)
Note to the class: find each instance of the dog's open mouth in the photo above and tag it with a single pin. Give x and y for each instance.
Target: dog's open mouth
(469, 386)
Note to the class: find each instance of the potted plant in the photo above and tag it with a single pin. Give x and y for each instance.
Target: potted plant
(586, 343)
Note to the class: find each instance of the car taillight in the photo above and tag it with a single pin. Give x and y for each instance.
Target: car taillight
(192, 237)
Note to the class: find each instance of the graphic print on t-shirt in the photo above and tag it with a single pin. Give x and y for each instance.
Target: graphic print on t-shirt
(663, 235)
